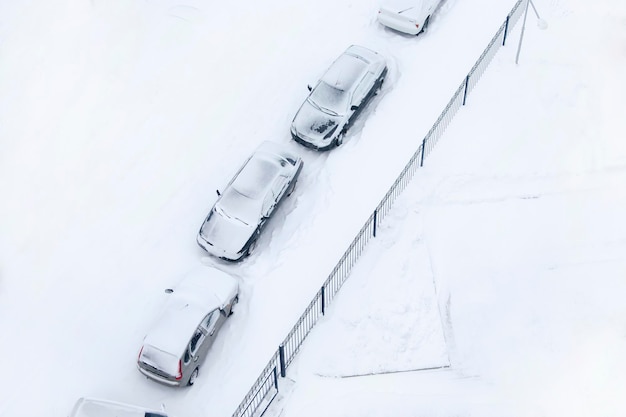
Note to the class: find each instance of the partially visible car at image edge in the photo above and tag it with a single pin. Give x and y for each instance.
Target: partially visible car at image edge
(337, 99)
(180, 339)
(407, 16)
(91, 407)
(234, 224)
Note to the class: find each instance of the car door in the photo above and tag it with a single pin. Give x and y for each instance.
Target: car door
(360, 91)
(210, 326)
(360, 96)
(278, 188)
(268, 207)
(193, 356)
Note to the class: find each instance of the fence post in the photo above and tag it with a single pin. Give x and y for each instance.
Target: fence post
(423, 151)
(506, 30)
(375, 216)
(323, 301)
(275, 379)
(465, 92)
(281, 356)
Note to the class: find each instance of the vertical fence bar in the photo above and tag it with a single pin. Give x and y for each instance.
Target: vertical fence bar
(423, 147)
(375, 215)
(465, 92)
(281, 356)
(323, 300)
(506, 29)
(275, 379)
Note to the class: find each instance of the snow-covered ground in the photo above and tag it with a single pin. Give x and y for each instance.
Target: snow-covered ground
(118, 121)
(517, 224)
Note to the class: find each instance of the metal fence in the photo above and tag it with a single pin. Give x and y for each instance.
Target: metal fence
(266, 386)
(290, 346)
(262, 392)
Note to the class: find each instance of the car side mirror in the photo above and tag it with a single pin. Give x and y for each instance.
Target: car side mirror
(218, 193)
(309, 87)
(354, 107)
(223, 312)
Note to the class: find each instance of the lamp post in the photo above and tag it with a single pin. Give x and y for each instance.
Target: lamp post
(542, 24)
(521, 36)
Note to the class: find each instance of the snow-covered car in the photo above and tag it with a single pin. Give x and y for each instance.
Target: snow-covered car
(407, 16)
(338, 97)
(233, 225)
(91, 407)
(179, 341)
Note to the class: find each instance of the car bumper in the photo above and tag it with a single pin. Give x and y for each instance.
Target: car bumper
(323, 146)
(398, 23)
(158, 378)
(212, 250)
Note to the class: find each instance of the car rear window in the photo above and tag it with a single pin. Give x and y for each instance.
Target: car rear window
(257, 175)
(159, 359)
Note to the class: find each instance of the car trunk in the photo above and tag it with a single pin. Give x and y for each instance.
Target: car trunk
(159, 360)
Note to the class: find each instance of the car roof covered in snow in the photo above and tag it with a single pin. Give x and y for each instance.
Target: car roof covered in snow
(201, 291)
(91, 407)
(257, 175)
(349, 68)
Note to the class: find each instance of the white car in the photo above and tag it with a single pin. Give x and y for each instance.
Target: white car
(407, 16)
(91, 407)
(338, 98)
(233, 225)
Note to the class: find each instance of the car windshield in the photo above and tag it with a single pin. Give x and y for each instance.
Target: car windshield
(235, 211)
(329, 99)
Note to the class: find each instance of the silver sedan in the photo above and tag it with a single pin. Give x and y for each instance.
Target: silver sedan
(234, 224)
(338, 98)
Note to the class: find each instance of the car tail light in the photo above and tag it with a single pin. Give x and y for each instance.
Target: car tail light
(417, 25)
(140, 352)
(179, 375)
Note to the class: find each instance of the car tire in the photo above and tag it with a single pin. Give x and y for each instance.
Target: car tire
(339, 139)
(232, 305)
(425, 27)
(379, 86)
(252, 246)
(292, 186)
(192, 378)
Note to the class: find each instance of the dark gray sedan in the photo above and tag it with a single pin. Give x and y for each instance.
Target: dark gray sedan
(233, 225)
(338, 98)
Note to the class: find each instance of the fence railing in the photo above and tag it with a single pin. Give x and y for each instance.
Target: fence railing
(266, 386)
(262, 392)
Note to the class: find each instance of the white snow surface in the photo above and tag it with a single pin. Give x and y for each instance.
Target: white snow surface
(504, 260)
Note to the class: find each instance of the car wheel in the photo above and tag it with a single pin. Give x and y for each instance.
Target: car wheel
(426, 22)
(232, 305)
(192, 378)
(339, 139)
(379, 86)
(292, 186)
(252, 246)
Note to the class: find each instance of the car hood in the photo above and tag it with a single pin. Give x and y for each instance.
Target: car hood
(225, 234)
(314, 123)
(403, 7)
